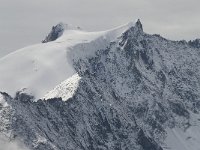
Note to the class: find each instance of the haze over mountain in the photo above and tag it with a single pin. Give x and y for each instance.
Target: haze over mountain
(120, 89)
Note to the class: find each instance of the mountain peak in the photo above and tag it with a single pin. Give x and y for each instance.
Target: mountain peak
(138, 25)
(65, 26)
(58, 30)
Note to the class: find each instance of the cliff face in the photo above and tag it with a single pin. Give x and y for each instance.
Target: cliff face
(130, 95)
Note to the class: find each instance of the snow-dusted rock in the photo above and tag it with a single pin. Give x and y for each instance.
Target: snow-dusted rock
(57, 31)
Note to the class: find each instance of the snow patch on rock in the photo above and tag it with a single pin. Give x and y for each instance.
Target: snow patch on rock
(2, 101)
(65, 90)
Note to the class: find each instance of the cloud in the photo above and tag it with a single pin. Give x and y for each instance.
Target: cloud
(10, 145)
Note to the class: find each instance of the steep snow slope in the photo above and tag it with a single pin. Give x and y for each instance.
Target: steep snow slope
(39, 68)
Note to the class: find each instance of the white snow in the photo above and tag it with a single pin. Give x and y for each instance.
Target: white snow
(39, 68)
(180, 139)
(7, 144)
(65, 90)
(2, 101)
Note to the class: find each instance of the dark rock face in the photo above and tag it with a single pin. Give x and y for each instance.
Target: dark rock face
(195, 43)
(138, 25)
(128, 95)
(147, 143)
(55, 33)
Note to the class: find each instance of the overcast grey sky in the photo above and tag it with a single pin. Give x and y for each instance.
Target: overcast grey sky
(25, 22)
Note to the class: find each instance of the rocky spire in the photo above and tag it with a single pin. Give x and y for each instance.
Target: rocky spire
(138, 25)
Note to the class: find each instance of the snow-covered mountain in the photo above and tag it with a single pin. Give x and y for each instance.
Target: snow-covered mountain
(39, 68)
(121, 89)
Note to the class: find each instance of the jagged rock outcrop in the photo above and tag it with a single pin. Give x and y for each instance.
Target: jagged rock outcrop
(195, 43)
(57, 31)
